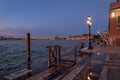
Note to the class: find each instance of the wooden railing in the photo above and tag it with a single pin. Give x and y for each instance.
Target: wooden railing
(58, 54)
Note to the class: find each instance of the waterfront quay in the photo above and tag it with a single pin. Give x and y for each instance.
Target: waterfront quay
(65, 62)
(110, 70)
(81, 64)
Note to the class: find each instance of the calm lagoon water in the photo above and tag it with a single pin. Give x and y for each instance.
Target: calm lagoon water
(13, 54)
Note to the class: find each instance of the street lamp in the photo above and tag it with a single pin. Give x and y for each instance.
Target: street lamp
(89, 23)
(113, 14)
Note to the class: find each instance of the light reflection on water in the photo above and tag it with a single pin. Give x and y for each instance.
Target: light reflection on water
(92, 71)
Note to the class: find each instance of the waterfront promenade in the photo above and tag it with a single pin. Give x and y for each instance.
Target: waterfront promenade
(111, 69)
(113, 72)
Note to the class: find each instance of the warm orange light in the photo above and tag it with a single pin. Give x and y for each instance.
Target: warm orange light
(88, 22)
(89, 18)
(113, 14)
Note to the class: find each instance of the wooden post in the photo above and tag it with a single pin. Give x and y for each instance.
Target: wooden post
(28, 46)
(29, 68)
(49, 58)
(55, 53)
(75, 52)
(58, 55)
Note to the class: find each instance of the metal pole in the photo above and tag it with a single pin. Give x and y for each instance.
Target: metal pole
(90, 46)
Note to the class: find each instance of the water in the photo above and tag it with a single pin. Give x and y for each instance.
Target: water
(13, 55)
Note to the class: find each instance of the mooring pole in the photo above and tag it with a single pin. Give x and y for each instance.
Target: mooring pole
(49, 58)
(28, 46)
(75, 53)
(29, 68)
(59, 56)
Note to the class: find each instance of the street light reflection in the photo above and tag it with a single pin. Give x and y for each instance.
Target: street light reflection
(98, 53)
(88, 78)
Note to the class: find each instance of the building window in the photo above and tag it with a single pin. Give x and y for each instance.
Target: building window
(118, 20)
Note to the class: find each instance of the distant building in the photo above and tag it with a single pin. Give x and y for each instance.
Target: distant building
(114, 23)
(85, 37)
(74, 38)
(80, 37)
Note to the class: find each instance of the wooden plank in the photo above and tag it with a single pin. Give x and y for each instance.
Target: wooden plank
(59, 72)
(74, 72)
(53, 72)
(17, 74)
(44, 74)
(41, 75)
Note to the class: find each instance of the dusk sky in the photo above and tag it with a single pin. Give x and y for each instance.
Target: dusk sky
(52, 17)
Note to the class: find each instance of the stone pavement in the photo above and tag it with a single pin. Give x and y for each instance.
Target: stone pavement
(113, 72)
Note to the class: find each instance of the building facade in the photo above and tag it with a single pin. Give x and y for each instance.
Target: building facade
(114, 23)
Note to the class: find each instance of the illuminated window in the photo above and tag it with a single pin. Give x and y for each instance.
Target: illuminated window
(118, 20)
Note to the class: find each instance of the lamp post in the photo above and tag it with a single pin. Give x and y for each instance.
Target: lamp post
(89, 23)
